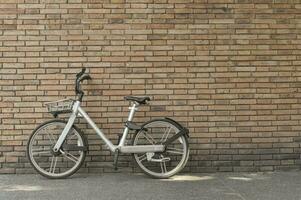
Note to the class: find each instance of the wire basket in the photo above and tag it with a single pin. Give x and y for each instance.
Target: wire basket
(60, 106)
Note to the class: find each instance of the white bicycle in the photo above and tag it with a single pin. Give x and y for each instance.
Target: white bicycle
(57, 148)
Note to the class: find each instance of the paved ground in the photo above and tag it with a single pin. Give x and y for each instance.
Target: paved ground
(222, 186)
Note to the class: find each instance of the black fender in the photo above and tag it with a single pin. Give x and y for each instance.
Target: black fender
(179, 126)
(182, 129)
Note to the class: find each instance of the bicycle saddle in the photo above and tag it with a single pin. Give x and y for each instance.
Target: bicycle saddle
(140, 100)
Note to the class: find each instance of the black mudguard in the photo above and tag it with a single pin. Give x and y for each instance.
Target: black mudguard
(182, 130)
(179, 126)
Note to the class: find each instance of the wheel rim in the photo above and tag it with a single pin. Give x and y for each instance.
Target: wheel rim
(177, 151)
(48, 163)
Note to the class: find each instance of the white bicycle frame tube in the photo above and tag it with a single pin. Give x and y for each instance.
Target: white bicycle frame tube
(77, 110)
(98, 131)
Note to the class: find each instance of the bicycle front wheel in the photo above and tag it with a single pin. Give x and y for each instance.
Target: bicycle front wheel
(162, 164)
(55, 164)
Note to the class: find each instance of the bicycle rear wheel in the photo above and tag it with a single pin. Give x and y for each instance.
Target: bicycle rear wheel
(63, 163)
(163, 164)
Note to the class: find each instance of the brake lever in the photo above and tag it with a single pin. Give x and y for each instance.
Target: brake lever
(89, 77)
(85, 77)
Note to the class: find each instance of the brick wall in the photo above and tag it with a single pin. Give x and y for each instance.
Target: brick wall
(229, 70)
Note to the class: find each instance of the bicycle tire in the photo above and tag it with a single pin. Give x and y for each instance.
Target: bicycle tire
(182, 139)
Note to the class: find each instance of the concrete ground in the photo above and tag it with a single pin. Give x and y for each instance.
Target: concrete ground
(123, 186)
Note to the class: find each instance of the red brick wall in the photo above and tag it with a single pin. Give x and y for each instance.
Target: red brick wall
(229, 70)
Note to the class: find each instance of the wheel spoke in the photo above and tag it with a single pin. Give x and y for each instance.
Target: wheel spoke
(49, 135)
(163, 167)
(142, 157)
(174, 150)
(165, 134)
(70, 157)
(52, 141)
(149, 138)
(39, 151)
(53, 164)
(52, 137)
(71, 136)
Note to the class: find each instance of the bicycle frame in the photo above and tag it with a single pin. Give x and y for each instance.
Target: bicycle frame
(78, 111)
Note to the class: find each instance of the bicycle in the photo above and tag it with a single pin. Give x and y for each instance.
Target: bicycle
(57, 148)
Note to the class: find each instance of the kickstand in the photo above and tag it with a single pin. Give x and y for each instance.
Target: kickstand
(116, 155)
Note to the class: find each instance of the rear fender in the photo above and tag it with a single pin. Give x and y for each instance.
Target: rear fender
(179, 126)
(182, 130)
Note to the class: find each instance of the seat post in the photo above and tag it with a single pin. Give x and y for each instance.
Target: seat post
(133, 109)
(130, 118)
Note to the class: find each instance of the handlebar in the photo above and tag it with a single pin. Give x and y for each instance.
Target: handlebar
(81, 76)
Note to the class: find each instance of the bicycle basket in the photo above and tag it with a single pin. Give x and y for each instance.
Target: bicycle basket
(60, 106)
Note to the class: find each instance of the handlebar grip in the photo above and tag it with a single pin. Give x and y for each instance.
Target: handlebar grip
(81, 76)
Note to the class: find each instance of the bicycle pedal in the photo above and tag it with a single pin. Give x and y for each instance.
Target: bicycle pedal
(116, 155)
